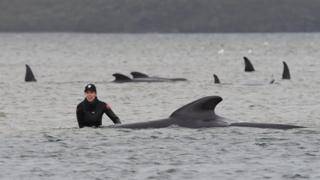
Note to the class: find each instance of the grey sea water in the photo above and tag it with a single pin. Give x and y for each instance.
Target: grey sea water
(38, 129)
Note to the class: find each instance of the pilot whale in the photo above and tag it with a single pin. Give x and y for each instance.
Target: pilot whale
(29, 77)
(217, 81)
(285, 76)
(248, 67)
(286, 72)
(200, 114)
(141, 77)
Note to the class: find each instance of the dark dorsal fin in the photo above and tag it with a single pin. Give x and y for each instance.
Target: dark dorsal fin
(286, 72)
(121, 78)
(216, 79)
(272, 81)
(136, 74)
(248, 65)
(201, 107)
(29, 75)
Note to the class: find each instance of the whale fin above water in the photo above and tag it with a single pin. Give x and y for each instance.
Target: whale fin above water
(286, 72)
(198, 109)
(29, 75)
(136, 74)
(216, 79)
(200, 114)
(248, 65)
(197, 114)
(272, 81)
(121, 78)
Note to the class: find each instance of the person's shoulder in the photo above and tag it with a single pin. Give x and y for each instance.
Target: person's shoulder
(100, 102)
(104, 104)
(80, 104)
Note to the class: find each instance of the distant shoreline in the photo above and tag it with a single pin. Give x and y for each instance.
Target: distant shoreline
(160, 16)
(145, 33)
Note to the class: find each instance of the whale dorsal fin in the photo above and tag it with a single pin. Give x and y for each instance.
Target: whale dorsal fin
(286, 72)
(248, 65)
(200, 109)
(121, 78)
(216, 79)
(29, 75)
(136, 74)
(272, 81)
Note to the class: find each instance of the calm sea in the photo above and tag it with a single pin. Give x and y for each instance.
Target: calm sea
(38, 129)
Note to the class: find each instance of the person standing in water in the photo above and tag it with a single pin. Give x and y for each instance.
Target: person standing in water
(91, 109)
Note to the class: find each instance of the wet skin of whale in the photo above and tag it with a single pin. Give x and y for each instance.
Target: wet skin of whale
(286, 72)
(29, 77)
(141, 77)
(248, 67)
(200, 114)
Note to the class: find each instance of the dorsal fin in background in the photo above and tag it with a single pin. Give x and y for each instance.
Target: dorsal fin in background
(136, 74)
(286, 72)
(121, 78)
(248, 65)
(203, 107)
(216, 79)
(272, 81)
(29, 75)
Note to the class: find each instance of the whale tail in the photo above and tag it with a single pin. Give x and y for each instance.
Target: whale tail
(216, 79)
(266, 125)
(248, 65)
(286, 72)
(121, 78)
(136, 74)
(29, 75)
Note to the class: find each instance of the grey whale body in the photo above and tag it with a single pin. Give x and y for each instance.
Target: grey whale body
(141, 77)
(200, 114)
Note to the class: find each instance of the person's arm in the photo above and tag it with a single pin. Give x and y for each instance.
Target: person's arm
(112, 115)
(80, 116)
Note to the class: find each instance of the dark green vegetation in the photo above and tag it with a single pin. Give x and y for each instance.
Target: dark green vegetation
(160, 15)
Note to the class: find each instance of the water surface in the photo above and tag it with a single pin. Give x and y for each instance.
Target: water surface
(38, 128)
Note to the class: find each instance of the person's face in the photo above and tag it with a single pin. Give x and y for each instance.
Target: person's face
(90, 95)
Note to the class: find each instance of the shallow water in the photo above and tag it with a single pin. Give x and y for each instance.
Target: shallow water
(39, 133)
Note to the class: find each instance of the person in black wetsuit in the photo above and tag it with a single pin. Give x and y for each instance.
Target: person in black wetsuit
(91, 110)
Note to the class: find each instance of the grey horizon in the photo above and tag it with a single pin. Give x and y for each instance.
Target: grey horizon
(166, 16)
